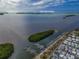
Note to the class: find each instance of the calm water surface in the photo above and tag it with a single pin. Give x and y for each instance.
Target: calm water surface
(17, 28)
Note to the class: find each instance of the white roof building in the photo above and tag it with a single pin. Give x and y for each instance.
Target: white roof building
(69, 49)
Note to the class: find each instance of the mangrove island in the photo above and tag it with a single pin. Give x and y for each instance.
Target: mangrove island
(40, 36)
(6, 50)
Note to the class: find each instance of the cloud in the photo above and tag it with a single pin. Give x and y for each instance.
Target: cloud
(27, 5)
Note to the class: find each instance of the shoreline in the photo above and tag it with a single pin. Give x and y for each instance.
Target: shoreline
(47, 52)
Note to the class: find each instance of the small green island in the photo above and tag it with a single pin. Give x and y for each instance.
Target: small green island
(6, 50)
(40, 36)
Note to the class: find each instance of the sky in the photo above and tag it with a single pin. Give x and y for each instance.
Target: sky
(39, 5)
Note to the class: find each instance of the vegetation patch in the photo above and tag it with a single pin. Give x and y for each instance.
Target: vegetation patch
(76, 32)
(6, 50)
(40, 36)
